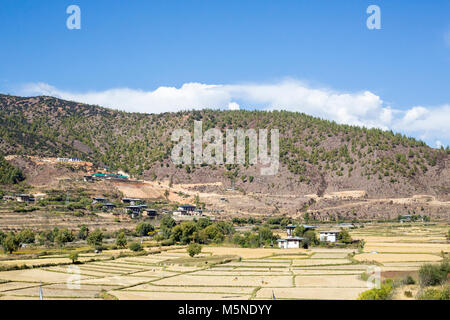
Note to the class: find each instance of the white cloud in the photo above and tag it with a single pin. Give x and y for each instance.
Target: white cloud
(233, 106)
(355, 108)
(438, 144)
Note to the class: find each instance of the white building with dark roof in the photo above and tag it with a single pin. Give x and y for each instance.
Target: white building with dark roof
(329, 236)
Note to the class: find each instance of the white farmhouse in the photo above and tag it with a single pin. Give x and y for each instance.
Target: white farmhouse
(290, 243)
(329, 236)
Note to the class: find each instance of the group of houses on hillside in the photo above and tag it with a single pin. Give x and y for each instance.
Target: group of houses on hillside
(23, 197)
(105, 176)
(136, 208)
(188, 212)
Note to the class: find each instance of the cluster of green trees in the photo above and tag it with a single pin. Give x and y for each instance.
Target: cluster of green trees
(415, 217)
(249, 220)
(56, 236)
(262, 237)
(201, 231)
(11, 241)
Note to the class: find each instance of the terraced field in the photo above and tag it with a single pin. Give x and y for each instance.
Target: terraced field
(233, 273)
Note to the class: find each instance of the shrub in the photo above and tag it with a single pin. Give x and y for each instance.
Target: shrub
(168, 242)
(384, 293)
(144, 228)
(63, 236)
(408, 294)
(73, 256)
(10, 243)
(433, 275)
(194, 249)
(409, 280)
(26, 236)
(436, 294)
(121, 240)
(83, 233)
(135, 246)
(95, 239)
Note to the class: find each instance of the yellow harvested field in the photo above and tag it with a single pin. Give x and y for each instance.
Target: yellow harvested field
(407, 247)
(324, 272)
(223, 281)
(239, 272)
(317, 273)
(402, 257)
(133, 295)
(117, 280)
(37, 275)
(289, 257)
(215, 289)
(16, 285)
(340, 281)
(253, 265)
(333, 267)
(250, 253)
(56, 293)
(41, 261)
(318, 262)
(406, 264)
(324, 255)
(64, 269)
(158, 273)
(310, 293)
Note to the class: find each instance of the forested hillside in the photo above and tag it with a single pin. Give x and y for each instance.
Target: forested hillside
(315, 154)
(8, 173)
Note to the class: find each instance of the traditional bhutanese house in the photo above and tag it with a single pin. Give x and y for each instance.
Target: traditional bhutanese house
(187, 207)
(88, 178)
(23, 198)
(9, 198)
(151, 213)
(347, 225)
(75, 159)
(99, 200)
(109, 206)
(405, 218)
(329, 236)
(109, 176)
(290, 228)
(290, 242)
(135, 211)
(131, 201)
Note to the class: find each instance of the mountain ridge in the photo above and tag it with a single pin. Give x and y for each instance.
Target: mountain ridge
(316, 156)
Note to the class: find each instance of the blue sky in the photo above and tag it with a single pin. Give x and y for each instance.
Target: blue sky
(153, 55)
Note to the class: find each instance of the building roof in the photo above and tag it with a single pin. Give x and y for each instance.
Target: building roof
(187, 206)
(330, 231)
(306, 226)
(134, 207)
(291, 239)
